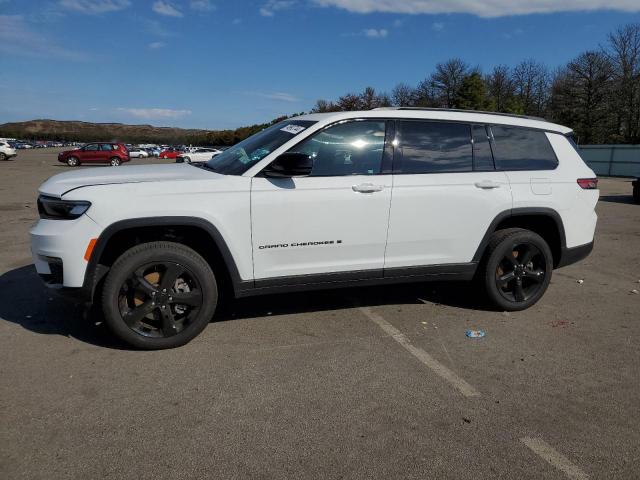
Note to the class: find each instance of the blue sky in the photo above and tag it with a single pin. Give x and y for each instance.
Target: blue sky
(226, 63)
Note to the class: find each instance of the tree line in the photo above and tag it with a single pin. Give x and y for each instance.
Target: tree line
(597, 93)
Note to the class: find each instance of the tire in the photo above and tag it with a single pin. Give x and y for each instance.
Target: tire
(186, 159)
(3, 157)
(636, 192)
(139, 312)
(115, 161)
(516, 269)
(73, 161)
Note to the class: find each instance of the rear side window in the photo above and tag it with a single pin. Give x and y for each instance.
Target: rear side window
(434, 147)
(522, 149)
(482, 157)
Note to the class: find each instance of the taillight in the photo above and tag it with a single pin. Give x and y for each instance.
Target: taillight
(588, 183)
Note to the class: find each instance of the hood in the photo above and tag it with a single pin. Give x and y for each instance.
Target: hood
(62, 183)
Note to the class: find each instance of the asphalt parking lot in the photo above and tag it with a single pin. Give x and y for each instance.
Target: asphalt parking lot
(360, 383)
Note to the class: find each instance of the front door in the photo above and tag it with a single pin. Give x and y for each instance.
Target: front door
(334, 220)
(90, 153)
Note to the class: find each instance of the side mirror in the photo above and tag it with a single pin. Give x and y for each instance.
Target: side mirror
(290, 164)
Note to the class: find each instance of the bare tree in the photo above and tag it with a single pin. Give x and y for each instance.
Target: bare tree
(323, 106)
(500, 88)
(581, 94)
(446, 81)
(403, 95)
(623, 50)
(531, 80)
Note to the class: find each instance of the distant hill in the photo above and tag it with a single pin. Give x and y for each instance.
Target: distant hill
(75, 131)
(87, 132)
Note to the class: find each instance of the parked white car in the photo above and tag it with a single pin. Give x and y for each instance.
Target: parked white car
(307, 203)
(135, 152)
(198, 155)
(6, 151)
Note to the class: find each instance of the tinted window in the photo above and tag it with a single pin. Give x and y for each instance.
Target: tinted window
(351, 148)
(482, 157)
(429, 147)
(106, 147)
(522, 149)
(91, 148)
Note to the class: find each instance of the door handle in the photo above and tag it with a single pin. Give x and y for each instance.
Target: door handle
(487, 184)
(367, 188)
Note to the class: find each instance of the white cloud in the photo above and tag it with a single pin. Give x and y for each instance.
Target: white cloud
(166, 8)
(202, 6)
(17, 38)
(277, 96)
(495, 8)
(157, 45)
(272, 6)
(376, 33)
(155, 113)
(95, 7)
(437, 26)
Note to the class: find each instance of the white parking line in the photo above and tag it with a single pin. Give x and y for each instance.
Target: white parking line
(464, 388)
(555, 458)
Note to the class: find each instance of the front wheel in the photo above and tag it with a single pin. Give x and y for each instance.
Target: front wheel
(3, 157)
(517, 269)
(159, 295)
(73, 162)
(187, 159)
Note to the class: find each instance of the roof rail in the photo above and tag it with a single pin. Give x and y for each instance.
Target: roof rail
(459, 110)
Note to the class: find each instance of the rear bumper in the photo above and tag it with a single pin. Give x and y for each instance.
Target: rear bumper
(574, 254)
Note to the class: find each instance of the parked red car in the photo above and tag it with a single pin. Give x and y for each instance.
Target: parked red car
(112, 153)
(171, 153)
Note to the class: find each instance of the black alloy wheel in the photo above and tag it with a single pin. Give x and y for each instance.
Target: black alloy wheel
(159, 295)
(516, 269)
(521, 273)
(160, 299)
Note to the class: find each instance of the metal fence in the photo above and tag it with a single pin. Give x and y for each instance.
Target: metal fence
(612, 160)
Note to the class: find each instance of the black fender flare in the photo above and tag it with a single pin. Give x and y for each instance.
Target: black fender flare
(520, 212)
(95, 271)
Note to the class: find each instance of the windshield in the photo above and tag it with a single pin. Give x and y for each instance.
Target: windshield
(238, 159)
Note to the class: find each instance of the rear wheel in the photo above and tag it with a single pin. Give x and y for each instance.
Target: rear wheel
(159, 295)
(636, 191)
(115, 161)
(73, 162)
(517, 269)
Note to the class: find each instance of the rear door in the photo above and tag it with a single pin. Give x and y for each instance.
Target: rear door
(446, 193)
(334, 220)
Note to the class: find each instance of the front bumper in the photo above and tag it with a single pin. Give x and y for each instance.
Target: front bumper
(58, 248)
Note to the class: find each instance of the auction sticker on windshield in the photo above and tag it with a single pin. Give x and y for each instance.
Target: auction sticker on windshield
(294, 129)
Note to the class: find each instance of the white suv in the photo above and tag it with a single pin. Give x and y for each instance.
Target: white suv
(6, 151)
(321, 201)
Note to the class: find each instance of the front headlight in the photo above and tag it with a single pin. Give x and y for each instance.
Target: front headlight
(55, 209)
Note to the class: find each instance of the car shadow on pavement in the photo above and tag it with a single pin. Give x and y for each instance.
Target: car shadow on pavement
(24, 300)
(617, 199)
(465, 295)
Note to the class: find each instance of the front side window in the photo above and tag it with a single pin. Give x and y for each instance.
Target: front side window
(517, 148)
(433, 147)
(244, 155)
(349, 148)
